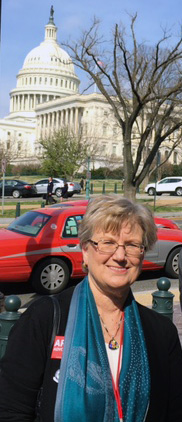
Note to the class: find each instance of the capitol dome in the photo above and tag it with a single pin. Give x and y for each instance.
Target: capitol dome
(47, 74)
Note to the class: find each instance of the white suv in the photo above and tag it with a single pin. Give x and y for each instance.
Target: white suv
(172, 185)
(41, 187)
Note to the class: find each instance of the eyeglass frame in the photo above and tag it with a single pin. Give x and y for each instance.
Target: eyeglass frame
(141, 247)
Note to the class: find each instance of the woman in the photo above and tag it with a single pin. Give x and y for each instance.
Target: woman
(121, 361)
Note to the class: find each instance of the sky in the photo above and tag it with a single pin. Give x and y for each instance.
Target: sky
(23, 25)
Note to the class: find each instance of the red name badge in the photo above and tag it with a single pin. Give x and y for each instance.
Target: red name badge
(58, 347)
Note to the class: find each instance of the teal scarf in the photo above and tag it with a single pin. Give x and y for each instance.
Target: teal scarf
(85, 391)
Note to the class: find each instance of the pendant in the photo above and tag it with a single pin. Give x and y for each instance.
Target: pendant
(113, 344)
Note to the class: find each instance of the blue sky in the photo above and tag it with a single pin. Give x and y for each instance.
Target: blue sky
(23, 23)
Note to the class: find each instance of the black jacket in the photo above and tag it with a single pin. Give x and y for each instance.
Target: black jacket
(50, 187)
(24, 363)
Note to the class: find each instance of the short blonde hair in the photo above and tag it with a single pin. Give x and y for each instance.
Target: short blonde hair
(109, 212)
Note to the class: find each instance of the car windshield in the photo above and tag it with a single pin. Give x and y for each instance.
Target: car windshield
(29, 223)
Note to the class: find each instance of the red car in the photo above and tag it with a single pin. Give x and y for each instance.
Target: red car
(159, 221)
(43, 246)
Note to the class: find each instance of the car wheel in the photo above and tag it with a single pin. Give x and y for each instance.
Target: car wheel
(151, 191)
(179, 191)
(171, 267)
(58, 192)
(51, 276)
(16, 194)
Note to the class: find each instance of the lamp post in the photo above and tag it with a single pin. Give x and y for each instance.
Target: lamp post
(88, 179)
(156, 177)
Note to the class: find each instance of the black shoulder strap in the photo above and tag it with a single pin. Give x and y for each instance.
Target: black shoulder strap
(56, 322)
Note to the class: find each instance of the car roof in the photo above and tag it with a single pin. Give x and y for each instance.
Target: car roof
(77, 203)
(57, 211)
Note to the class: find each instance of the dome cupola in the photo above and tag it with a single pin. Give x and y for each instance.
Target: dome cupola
(47, 74)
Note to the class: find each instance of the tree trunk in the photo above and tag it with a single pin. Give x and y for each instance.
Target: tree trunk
(130, 192)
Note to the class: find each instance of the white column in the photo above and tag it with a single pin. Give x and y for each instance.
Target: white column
(48, 124)
(66, 118)
(71, 118)
(18, 102)
(57, 121)
(76, 120)
(61, 119)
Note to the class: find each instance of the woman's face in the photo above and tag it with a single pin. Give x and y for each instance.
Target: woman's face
(115, 271)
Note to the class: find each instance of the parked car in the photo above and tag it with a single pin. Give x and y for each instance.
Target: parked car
(17, 188)
(171, 185)
(41, 187)
(42, 246)
(159, 221)
(166, 223)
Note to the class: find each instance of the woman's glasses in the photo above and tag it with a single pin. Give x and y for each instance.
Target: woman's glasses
(110, 247)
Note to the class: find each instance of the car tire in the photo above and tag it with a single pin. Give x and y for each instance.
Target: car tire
(16, 194)
(171, 267)
(151, 191)
(179, 191)
(50, 276)
(58, 192)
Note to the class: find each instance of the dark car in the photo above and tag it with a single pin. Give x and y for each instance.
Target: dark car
(17, 188)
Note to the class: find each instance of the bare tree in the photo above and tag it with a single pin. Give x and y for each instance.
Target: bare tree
(142, 85)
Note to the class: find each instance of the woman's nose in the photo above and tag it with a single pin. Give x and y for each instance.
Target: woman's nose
(120, 252)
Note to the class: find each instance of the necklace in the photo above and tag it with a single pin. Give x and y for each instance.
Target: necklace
(113, 344)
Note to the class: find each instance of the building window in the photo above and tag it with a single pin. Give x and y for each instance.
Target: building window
(61, 82)
(35, 80)
(45, 81)
(51, 81)
(175, 155)
(40, 80)
(66, 83)
(104, 130)
(166, 154)
(19, 146)
(114, 149)
(56, 82)
(115, 131)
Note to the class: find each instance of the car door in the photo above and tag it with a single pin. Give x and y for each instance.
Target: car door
(70, 243)
(171, 185)
(57, 184)
(163, 185)
(41, 186)
(8, 187)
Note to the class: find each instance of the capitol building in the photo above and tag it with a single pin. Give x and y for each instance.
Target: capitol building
(47, 98)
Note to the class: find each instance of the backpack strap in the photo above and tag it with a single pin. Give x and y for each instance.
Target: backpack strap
(55, 331)
(55, 324)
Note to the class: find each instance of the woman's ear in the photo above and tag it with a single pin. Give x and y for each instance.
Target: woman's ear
(85, 253)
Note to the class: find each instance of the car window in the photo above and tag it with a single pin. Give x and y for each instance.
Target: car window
(71, 226)
(29, 223)
(41, 182)
(173, 180)
(164, 181)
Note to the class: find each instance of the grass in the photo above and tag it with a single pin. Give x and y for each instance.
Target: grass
(11, 213)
